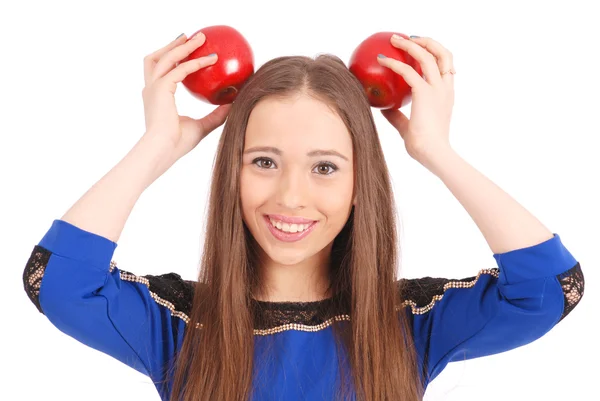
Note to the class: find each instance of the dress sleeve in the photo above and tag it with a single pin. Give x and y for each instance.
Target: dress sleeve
(139, 320)
(499, 309)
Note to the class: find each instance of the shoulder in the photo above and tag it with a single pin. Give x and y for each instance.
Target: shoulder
(169, 290)
(422, 293)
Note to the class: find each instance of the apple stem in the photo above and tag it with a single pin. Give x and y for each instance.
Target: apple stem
(229, 90)
(227, 94)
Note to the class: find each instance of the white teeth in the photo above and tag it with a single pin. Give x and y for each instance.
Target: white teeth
(289, 228)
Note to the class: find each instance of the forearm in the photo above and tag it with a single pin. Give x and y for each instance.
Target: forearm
(106, 206)
(504, 223)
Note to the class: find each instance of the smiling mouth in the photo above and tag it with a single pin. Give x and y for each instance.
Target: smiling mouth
(289, 227)
(287, 232)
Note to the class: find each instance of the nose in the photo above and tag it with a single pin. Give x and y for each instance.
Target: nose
(292, 190)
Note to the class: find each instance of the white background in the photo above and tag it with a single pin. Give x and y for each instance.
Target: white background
(525, 115)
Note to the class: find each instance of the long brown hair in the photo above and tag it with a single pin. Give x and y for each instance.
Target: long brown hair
(216, 358)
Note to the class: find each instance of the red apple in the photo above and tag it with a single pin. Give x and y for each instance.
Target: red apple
(220, 83)
(384, 88)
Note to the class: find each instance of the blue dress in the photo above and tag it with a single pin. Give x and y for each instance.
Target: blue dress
(140, 320)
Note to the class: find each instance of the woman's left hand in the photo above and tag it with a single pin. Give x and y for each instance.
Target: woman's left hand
(427, 131)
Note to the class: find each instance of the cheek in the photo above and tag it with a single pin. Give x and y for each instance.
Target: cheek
(336, 202)
(253, 192)
(247, 196)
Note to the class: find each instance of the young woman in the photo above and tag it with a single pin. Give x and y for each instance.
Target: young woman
(297, 296)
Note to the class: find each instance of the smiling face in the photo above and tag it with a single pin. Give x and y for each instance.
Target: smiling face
(297, 171)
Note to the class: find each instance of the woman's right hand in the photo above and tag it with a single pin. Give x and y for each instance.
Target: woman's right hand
(162, 73)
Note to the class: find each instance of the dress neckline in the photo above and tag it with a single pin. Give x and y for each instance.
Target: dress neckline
(294, 305)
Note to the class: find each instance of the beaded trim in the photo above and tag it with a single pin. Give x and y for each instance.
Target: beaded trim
(159, 300)
(302, 327)
(450, 284)
(137, 279)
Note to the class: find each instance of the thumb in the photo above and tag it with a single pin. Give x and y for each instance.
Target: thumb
(213, 119)
(398, 119)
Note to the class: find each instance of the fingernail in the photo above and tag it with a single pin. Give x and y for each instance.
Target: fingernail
(381, 56)
(179, 36)
(414, 36)
(397, 37)
(212, 54)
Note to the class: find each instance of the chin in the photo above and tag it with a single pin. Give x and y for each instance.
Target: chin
(287, 257)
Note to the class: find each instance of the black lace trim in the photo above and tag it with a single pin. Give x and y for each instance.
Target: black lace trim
(33, 274)
(573, 283)
(172, 288)
(275, 314)
(422, 290)
(177, 294)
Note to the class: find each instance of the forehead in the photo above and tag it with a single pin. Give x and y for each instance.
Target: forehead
(297, 123)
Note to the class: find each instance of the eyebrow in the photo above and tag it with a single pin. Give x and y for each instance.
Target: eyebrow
(278, 152)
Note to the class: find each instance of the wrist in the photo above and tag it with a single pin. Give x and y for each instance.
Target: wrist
(155, 144)
(435, 159)
(150, 157)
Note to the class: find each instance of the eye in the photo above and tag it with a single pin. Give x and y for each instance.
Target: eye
(266, 162)
(324, 166)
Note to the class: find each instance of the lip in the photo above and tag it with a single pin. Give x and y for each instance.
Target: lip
(288, 237)
(290, 220)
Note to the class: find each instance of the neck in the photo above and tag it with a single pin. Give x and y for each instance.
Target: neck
(306, 281)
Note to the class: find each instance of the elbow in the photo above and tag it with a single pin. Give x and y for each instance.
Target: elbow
(53, 283)
(539, 304)
(572, 285)
(34, 273)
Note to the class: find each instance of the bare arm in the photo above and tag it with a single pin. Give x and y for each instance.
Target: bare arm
(106, 206)
(505, 224)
